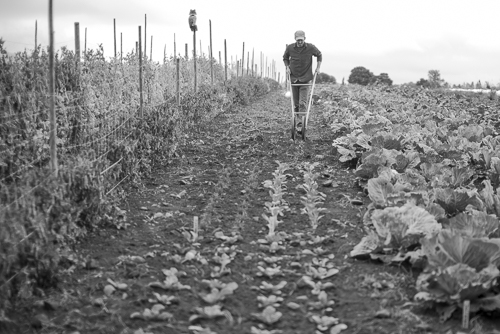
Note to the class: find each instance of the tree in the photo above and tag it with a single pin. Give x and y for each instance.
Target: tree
(325, 78)
(424, 83)
(435, 79)
(382, 79)
(360, 75)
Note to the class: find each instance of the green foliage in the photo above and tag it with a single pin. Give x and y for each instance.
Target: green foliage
(420, 154)
(423, 83)
(360, 75)
(103, 144)
(325, 78)
(382, 79)
(435, 80)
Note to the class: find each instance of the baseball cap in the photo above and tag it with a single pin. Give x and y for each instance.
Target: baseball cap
(300, 34)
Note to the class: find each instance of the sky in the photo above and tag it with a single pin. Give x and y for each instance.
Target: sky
(404, 38)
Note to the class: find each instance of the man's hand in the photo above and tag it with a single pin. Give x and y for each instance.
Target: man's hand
(317, 70)
(288, 70)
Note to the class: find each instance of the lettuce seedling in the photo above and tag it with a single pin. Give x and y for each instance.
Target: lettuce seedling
(209, 312)
(152, 314)
(272, 300)
(217, 295)
(268, 316)
(269, 272)
(275, 289)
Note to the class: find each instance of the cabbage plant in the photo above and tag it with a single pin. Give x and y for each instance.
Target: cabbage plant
(460, 268)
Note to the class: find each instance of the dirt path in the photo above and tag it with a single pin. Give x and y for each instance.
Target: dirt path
(219, 179)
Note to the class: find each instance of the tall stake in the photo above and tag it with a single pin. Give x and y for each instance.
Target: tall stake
(175, 49)
(242, 58)
(114, 34)
(52, 88)
(36, 34)
(145, 37)
(186, 51)
(141, 114)
(194, 58)
(178, 90)
(252, 62)
(77, 40)
(225, 60)
(220, 59)
(121, 47)
(261, 63)
(85, 49)
(211, 57)
(151, 49)
(248, 60)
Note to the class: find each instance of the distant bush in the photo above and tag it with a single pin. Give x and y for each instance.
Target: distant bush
(325, 78)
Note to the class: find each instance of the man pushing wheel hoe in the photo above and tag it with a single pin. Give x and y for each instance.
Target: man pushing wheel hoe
(298, 63)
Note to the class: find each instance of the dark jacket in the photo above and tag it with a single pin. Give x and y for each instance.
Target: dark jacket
(300, 61)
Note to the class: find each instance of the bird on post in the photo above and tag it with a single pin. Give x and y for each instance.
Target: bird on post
(192, 20)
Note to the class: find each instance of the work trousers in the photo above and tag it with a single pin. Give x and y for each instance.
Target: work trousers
(300, 95)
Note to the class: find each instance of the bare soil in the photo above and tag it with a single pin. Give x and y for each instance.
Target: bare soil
(218, 178)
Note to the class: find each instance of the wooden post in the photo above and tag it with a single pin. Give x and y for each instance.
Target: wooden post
(248, 61)
(211, 56)
(178, 91)
(261, 63)
(225, 60)
(186, 51)
(165, 54)
(121, 47)
(77, 40)
(52, 88)
(137, 49)
(252, 62)
(267, 69)
(85, 49)
(242, 58)
(36, 34)
(151, 49)
(194, 58)
(141, 114)
(145, 37)
(175, 49)
(114, 33)
(237, 67)
(220, 59)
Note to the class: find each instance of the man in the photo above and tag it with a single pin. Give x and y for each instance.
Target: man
(298, 63)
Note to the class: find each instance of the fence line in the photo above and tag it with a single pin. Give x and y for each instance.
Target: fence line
(74, 108)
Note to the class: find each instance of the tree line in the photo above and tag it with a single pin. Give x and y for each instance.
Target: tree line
(362, 76)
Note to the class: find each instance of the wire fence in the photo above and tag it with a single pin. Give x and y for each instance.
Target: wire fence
(96, 105)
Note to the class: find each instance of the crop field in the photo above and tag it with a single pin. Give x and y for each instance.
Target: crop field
(205, 217)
